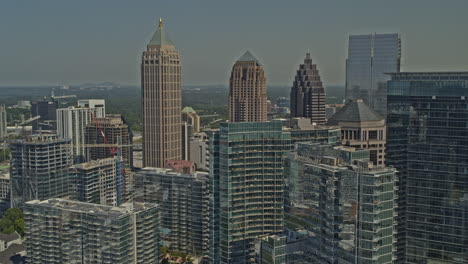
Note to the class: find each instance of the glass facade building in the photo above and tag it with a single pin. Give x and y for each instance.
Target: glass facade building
(272, 249)
(341, 207)
(369, 58)
(66, 231)
(183, 201)
(247, 184)
(428, 144)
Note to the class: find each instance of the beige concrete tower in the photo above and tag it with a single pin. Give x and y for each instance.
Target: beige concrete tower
(161, 101)
(362, 127)
(247, 91)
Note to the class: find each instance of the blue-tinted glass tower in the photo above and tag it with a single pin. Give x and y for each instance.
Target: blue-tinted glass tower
(246, 171)
(370, 57)
(428, 144)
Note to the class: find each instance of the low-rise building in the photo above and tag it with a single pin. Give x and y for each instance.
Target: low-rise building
(12, 249)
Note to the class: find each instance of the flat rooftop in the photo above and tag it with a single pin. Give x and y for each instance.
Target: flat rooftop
(89, 208)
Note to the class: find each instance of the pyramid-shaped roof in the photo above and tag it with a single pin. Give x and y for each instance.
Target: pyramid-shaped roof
(355, 111)
(160, 37)
(248, 57)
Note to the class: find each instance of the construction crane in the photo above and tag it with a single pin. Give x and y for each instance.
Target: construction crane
(28, 121)
(24, 122)
(115, 152)
(60, 96)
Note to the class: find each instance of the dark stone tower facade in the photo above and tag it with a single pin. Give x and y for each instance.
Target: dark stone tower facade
(308, 93)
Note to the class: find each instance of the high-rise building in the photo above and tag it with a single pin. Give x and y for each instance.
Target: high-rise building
(65, 231)
(72, 121)
(47, 110)
(3, 122)
(370, 57)
(5, 191)
(362, 127)
(246, 173)
(199, 151)
(184, 207)
(302, 130)
(186, 130)
(247, 91)
(215, 206)
(40, 169)
(190, 125)
(181, 166)
(161, 101)
(98, 105)
(427, 142)
(118, 136)
(192, 118)
(343, 206)
(308, 94)
(96, 182)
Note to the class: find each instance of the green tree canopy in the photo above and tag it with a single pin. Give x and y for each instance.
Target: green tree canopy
(13, 220)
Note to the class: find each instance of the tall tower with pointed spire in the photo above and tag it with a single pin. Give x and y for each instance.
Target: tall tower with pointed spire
(161, 97)
(247, 91)
(308, 94)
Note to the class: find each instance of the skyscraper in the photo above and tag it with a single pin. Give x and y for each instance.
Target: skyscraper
(344, 207)
(370, 57)
(161, 101)
(427, 142)
(72, 121)
(308, 94)
(190, 125)
(40, 169)
(247, 91)
(47, 110)
(246, 173)
(3, 122)
(65, 231)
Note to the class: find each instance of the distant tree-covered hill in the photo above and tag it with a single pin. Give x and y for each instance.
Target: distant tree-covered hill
(126, 100)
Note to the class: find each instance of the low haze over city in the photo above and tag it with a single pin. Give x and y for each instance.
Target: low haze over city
(234, 132)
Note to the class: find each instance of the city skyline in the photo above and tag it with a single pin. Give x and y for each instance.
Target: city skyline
(107, 49)
(130, 168)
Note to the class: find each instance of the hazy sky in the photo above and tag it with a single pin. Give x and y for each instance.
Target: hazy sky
(49, 42)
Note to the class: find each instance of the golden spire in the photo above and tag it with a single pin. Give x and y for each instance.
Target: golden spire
(160, 23)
